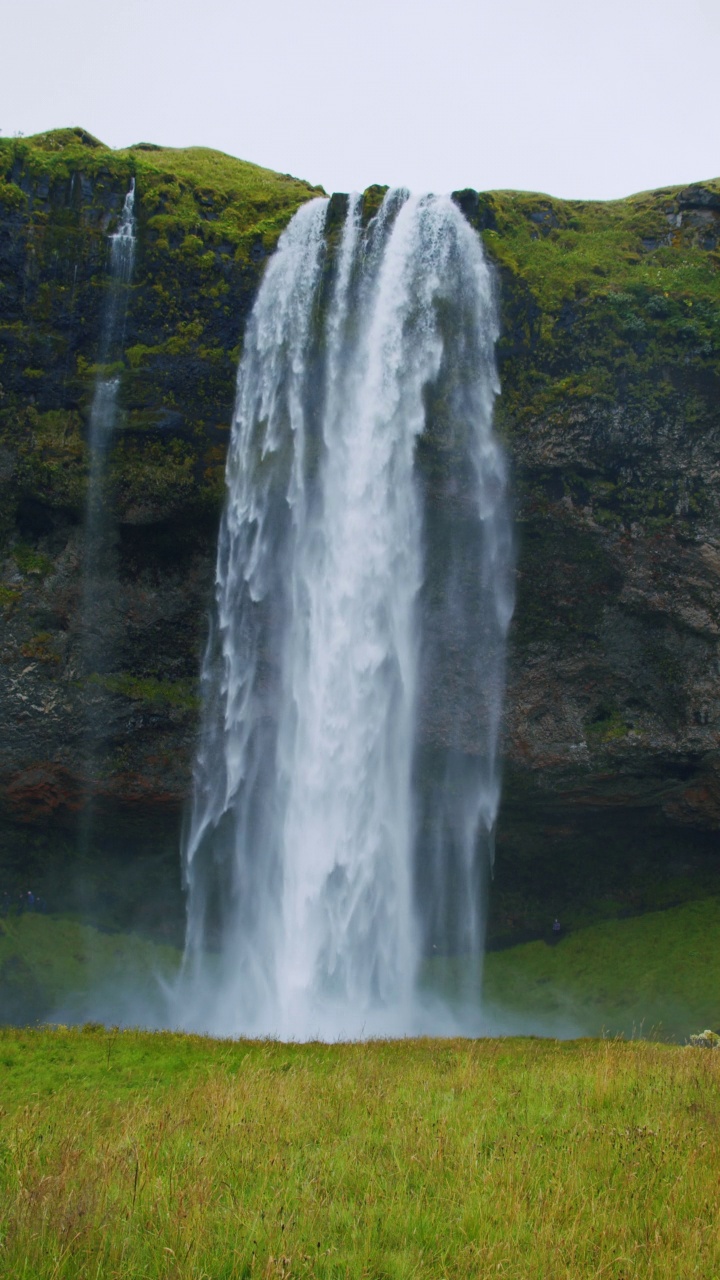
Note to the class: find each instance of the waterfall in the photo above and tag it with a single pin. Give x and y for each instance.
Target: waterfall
(368, 353)
(103, 409)
(99, 552)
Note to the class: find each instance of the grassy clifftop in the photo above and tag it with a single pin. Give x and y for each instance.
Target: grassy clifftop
(183, 187)
(205, 225)
(602, 302)
(605, 296)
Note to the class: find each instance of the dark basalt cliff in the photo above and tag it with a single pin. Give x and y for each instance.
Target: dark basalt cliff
(610, 367)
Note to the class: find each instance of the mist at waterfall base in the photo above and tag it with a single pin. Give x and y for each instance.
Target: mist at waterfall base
(363, 572)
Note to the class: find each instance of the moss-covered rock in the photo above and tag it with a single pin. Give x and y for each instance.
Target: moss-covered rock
(205, 226)
(610, 370)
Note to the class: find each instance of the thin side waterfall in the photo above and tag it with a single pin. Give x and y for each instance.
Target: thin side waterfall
(104, 403)
(99, 541)
(367, 366)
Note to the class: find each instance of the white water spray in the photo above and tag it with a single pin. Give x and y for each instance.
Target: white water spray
(304, 856)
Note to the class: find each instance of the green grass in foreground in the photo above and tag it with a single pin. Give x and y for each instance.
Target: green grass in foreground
(129, 1154)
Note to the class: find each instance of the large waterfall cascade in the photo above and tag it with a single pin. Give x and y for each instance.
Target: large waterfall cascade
(322, 864)
(99, 540)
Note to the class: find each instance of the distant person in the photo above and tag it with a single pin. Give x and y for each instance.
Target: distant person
(30, 899)
(556, 931)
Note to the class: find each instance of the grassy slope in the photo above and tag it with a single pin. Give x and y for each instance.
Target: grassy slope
(129, 1154)
(54, 966)
(603, 299)
(656, 974)
(245, 198)
(590, 248)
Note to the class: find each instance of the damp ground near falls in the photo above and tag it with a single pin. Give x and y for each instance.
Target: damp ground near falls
(364, 557)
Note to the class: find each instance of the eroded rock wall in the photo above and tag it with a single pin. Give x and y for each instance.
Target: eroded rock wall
(610, 364)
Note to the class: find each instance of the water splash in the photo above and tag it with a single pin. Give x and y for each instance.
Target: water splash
(305, 909)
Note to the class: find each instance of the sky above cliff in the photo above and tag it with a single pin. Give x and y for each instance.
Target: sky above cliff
(577, 99)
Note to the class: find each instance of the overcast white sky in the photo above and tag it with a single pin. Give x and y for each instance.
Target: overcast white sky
(581, 99)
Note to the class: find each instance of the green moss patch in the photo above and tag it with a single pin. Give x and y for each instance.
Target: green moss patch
(50, 456)
(181, 694)
(31, 562)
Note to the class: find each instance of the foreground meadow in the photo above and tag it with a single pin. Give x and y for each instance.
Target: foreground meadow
(155, 1155)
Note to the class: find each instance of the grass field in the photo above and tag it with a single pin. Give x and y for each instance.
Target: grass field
(134, 1154)
(126, 1154)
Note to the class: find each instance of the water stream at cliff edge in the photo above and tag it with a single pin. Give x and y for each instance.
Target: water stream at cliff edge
(99, 569)
(321, 868)
(103, 409)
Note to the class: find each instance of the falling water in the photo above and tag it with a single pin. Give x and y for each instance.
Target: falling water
(103, 409)
(99, 600)
(305, 854)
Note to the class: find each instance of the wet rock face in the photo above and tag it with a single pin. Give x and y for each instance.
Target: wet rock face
(610, 369)
(615, 666)
(152, 624)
